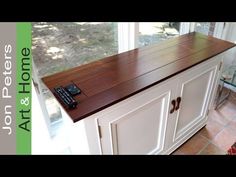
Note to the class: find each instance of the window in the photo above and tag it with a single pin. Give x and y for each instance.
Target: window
(206, 28)
(154, 32)
(60, 46)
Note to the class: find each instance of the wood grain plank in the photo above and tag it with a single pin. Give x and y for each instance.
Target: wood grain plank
(131, 55)
(113, 79)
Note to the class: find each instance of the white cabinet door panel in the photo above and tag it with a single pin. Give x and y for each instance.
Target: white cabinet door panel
(141, 131)
(138, 125)
(194, 94)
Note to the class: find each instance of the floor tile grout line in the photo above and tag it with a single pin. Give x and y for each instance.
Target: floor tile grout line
(223, 127)
(208, 142)
(211, 141)
(227, 125)
(220, 117)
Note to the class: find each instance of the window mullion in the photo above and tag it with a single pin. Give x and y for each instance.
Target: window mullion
(127, 36)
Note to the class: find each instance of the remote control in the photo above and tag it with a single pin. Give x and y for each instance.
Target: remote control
(65, 97)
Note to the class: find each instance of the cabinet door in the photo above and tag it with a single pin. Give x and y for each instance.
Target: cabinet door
(194, 88)
(138, 124)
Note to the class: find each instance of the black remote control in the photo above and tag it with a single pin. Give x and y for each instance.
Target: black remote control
(65, 97)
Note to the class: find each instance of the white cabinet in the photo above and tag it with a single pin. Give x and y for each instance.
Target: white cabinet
(159, 119)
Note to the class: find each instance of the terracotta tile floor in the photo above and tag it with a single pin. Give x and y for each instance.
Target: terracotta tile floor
(217, 136)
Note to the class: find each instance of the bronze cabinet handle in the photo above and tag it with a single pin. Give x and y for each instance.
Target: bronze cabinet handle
(173, 108)
(178, 103)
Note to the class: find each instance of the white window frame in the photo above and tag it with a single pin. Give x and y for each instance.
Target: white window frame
(38, 88)
(185, 27)
(219, 29)
(127, 36)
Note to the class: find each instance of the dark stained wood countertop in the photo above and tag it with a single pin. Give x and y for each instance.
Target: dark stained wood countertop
(115, 78)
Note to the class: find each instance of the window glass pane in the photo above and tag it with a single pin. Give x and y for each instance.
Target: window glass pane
(206, 28)
(60, 46)
(150, 33)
